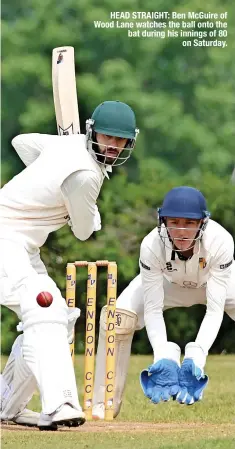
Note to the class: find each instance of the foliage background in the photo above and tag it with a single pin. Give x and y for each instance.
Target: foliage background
(183, 98)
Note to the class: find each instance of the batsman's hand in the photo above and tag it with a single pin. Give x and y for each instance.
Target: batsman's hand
(160, 381)
(97, 220)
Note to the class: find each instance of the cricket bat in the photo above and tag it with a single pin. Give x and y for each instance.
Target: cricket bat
(65, 91)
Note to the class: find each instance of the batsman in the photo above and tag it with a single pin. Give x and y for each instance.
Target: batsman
(60, 185)
(186, 260)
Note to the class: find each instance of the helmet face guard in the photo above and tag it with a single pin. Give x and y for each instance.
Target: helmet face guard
(182, 202)
(165, 233)
(93, 146)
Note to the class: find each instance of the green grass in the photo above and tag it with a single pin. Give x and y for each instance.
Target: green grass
(209, 424)
(81, 440)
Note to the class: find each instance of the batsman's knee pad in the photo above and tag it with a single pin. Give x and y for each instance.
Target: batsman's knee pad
(17, 382)
(73, 314)
(32, 312)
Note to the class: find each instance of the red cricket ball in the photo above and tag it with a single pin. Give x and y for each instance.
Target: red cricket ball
(44, 299)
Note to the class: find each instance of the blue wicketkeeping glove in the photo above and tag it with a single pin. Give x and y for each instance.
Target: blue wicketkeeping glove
(160, 381)
(192, 382)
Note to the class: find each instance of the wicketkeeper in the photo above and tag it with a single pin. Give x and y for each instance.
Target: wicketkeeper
(187, 259)
(60, 185)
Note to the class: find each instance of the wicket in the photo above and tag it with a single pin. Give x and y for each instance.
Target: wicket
(90, 329)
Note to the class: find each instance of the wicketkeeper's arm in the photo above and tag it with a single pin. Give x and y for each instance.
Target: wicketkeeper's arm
(216, 292)
(152, 284)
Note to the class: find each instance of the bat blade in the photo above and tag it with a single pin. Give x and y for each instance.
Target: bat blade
(65, 91)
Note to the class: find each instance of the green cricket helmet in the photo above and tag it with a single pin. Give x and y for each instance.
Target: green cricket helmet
(112, 118)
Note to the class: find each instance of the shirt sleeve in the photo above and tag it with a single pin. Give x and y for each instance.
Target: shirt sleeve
(216, 292)
(80, 191)
(30, 146)
(152, 284)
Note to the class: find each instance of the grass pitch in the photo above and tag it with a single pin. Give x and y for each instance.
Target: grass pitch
(209, 424)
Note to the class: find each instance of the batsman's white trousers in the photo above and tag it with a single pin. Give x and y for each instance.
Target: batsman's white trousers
(45, 347)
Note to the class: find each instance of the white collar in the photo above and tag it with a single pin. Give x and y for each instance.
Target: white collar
(106, 169)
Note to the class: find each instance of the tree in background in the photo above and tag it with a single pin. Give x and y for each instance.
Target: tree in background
(184, 101)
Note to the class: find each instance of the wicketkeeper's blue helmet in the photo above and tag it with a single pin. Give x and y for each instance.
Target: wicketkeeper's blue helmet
(184, 202)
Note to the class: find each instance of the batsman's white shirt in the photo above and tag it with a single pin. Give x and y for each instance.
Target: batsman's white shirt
(61, 181)
(165, 280)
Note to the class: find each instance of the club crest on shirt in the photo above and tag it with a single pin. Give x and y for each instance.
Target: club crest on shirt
(202, 262)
